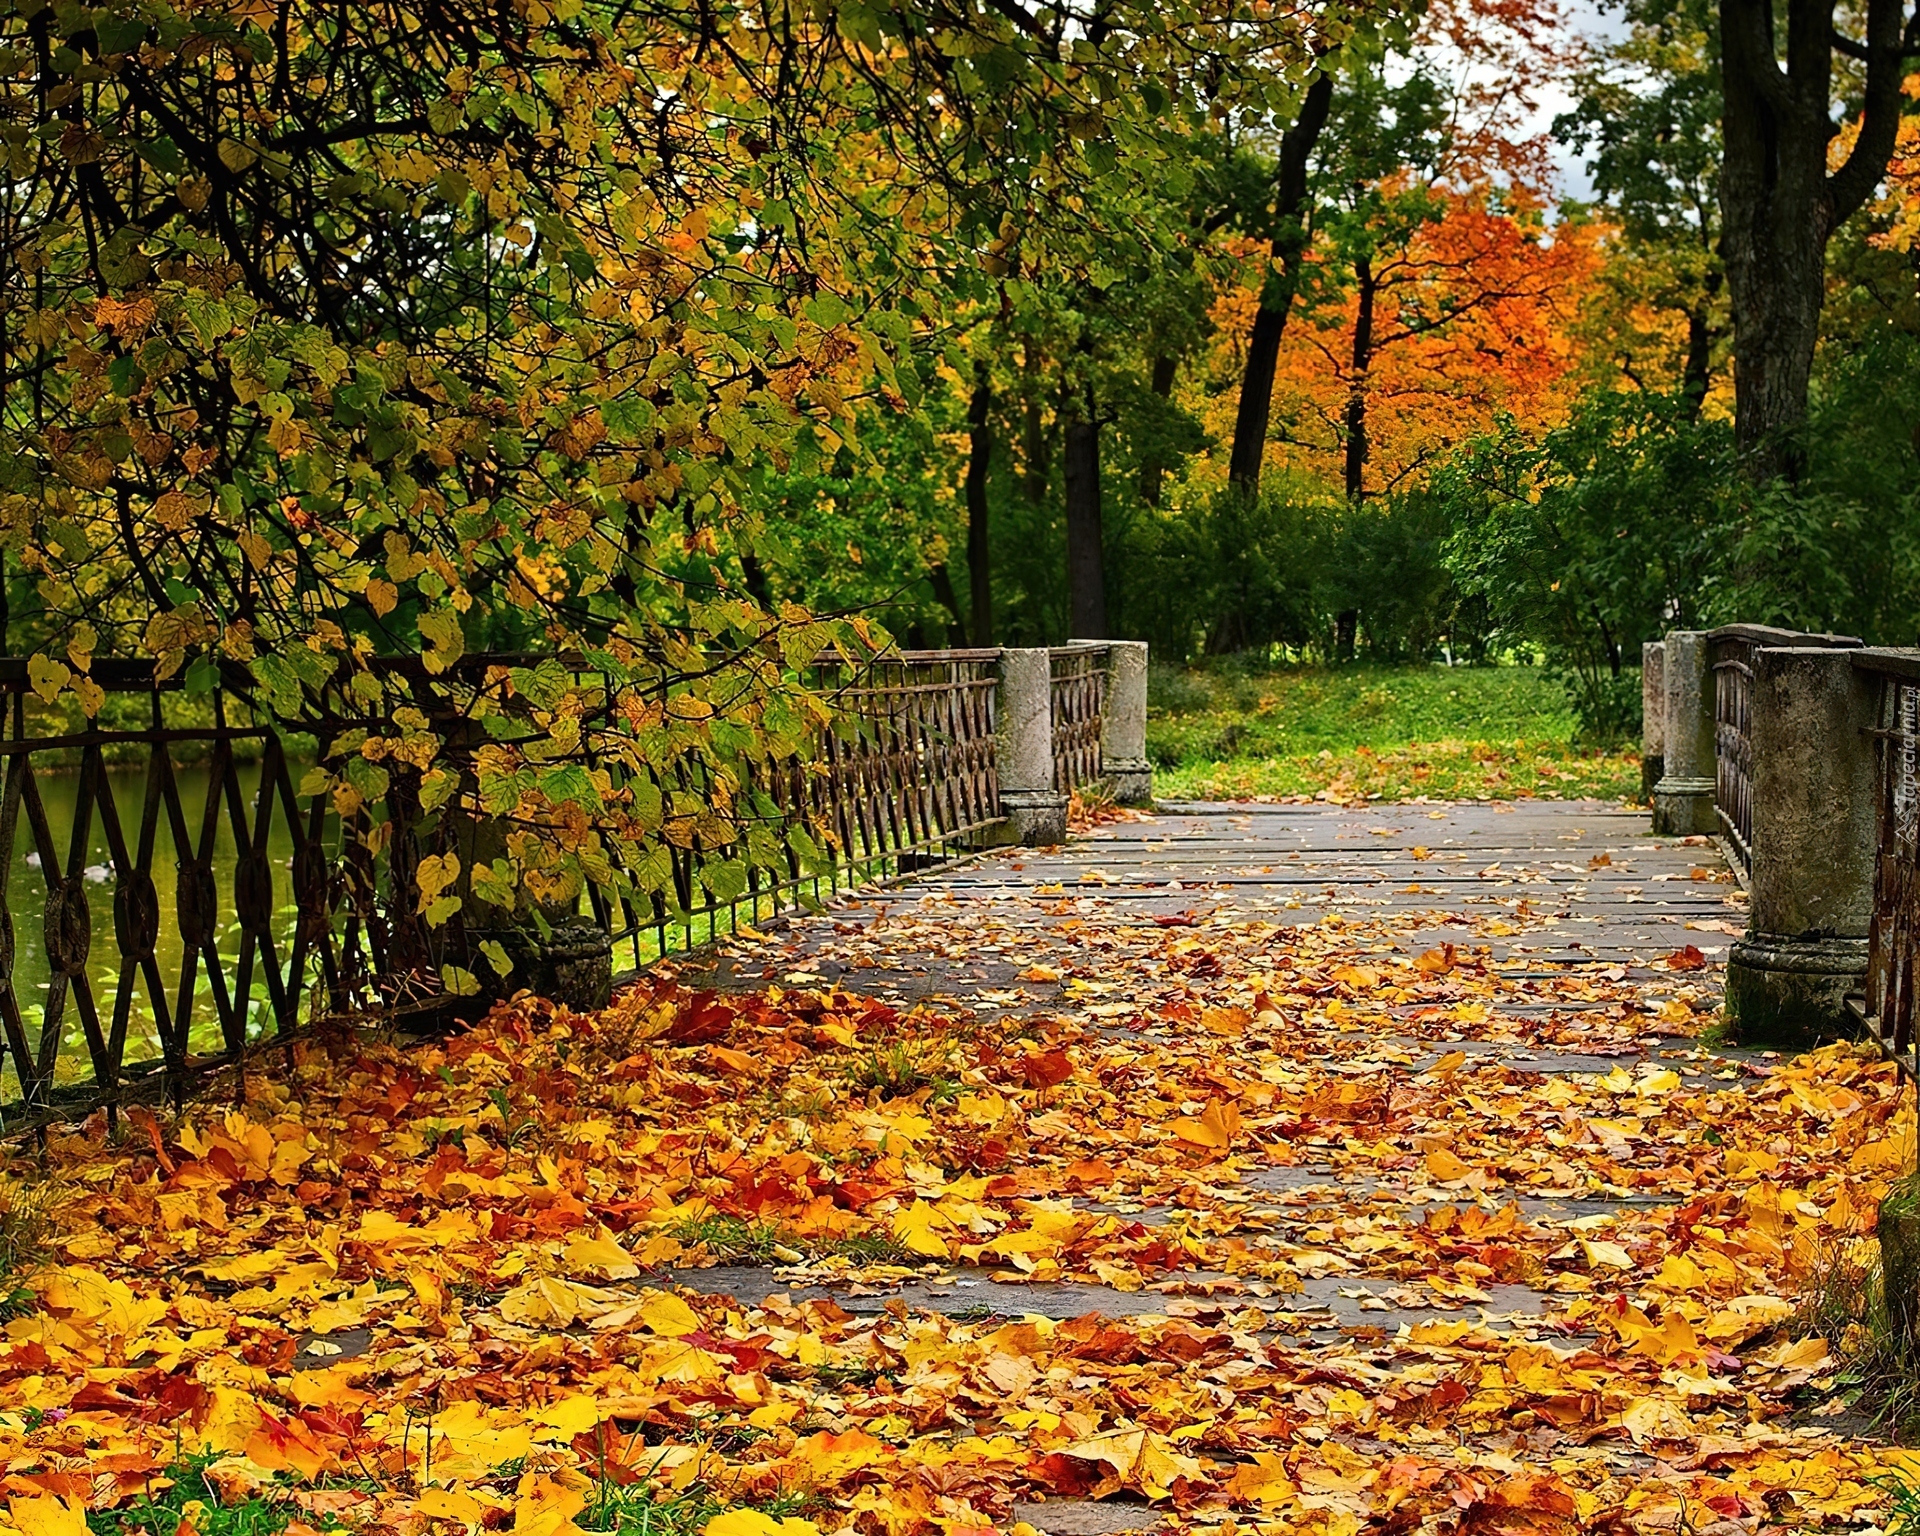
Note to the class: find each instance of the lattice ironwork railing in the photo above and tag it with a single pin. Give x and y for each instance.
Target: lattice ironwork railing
(1079, 690)
(172, 902)
(1893, 941)
(907, 773)
(239, 910)
(1734, 647)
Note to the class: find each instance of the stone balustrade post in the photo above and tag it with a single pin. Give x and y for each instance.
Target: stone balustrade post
(1123, 723)
(1035, 812)
(1814, 843)
(1653, 715)
(1683, 798)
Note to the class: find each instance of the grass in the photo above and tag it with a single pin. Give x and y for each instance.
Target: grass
(191, 1502)
(1235, 730)
(640, 1509)
(902, 1069)
(736, 1240)
(1844, 1300)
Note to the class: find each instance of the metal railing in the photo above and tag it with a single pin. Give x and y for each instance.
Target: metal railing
(1732, 655)
(1079, 694)
(907, 770)
(244, 912)
(1893, 939)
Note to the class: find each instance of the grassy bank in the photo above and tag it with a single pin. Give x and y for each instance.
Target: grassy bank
(1233, 731)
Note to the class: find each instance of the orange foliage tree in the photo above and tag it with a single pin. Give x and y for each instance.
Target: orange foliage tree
(1429, 323)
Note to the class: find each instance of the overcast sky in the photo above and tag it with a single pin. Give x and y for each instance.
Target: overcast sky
(1590, 19)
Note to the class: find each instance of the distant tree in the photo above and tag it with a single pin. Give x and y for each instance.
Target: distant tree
(1647, 116)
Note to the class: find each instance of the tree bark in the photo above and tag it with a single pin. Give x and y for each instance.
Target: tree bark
(1036, 455)
(1292, 204)
(942, 582)
(979, 537)
(758, 587)
(1779, 206)
(1366, 291)
(1696, 376)
(1152, 468)
(1086, 574)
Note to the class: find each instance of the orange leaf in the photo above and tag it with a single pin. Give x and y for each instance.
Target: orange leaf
(1215, 1127)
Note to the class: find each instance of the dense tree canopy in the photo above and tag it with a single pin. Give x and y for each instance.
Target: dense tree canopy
(687, 342)
(336, 334)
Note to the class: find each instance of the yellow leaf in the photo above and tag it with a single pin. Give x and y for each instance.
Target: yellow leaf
(1606, 1255)
(665, 1313)
(1215, 1128)
(547, 1303)
(1680, 1273)
(451, 1504)
(600, 1255)
(545, 1506)
(1225, 1021)
(1264, 1480)
(1673, 1340)
(570, 1416)
(44, 1515)
(46, 676)
(752, 1522)
(919, 1226)
(1445, 1167)
(1452, 1062)
(382, 596)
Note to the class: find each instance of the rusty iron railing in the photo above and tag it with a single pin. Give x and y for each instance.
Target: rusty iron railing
(1893, 940)
(1079, 690)
(196, 906)
(1733, 647)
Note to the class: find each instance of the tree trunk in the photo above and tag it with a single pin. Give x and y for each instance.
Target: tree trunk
(979, 540)
(1696, 376)
(1292, 204)
(1036, 455)
(1357, 378)
(1086, 575)
(1779, 207)
(758, 587)
(942, 582)
(1152, 468)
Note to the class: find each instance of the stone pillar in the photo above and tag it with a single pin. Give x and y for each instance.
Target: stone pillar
(1123, 723)
(1814, 839)
(1653, 715)
(1035, 812)
(1683, 799)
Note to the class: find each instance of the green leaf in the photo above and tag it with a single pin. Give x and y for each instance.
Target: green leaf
(725, 880)
(440, 628)
(203, 676)
(282, 686)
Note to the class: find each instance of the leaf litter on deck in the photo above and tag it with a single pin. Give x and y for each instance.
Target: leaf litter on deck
(455, 1286)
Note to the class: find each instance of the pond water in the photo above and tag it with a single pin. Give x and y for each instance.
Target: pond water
(26, 892)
